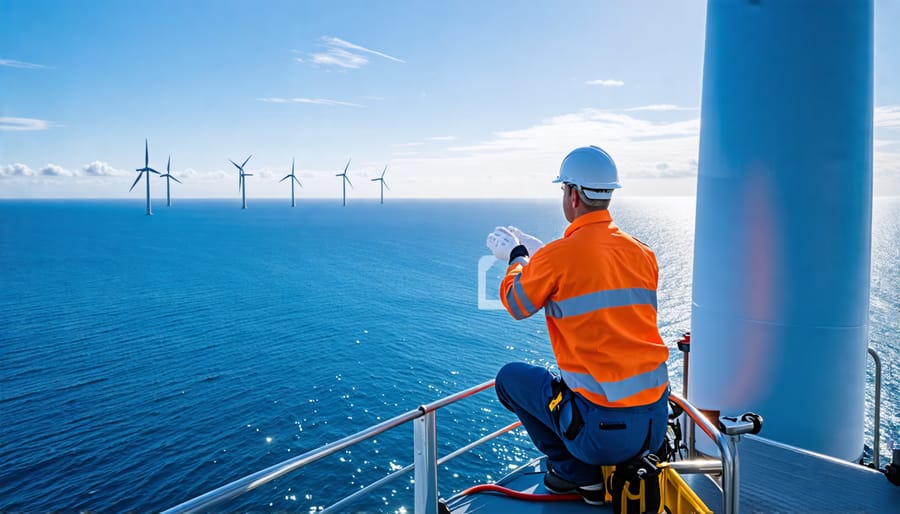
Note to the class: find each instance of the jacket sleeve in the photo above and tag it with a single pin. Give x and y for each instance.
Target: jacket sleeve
(528, 284)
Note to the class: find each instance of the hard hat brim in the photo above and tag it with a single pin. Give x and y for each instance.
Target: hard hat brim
(596, 195)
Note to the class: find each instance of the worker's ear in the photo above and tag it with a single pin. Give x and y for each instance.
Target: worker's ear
(574, 198)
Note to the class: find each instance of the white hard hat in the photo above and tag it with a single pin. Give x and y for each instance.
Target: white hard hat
(590, 169)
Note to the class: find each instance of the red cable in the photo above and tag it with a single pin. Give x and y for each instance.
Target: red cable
(520, 495)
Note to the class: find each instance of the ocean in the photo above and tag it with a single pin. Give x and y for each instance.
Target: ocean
(147, 360)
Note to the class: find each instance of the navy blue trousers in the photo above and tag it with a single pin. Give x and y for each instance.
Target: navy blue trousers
(609, 435)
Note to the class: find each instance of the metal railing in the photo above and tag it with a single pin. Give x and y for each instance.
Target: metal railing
(727, 450)
(425, 462)
(876, 445)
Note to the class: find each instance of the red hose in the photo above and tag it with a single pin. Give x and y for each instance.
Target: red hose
(520, 495)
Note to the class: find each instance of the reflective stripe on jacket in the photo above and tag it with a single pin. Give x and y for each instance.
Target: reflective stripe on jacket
(597, 286)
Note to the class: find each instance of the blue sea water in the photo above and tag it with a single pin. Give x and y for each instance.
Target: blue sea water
(146, 360)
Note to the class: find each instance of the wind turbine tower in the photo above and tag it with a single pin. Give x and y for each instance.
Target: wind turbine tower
(242, 186)
(345, 181)
(148, 170)
(168, 176)
(383, 183)
(293, 179)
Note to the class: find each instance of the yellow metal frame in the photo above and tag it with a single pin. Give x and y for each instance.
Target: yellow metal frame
(676, 496)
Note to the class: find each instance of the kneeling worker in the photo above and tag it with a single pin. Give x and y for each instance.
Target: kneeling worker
(597, 286)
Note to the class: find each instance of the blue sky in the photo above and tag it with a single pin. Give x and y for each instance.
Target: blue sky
(458, 98)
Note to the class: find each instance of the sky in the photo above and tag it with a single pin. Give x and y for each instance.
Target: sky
(457, 98)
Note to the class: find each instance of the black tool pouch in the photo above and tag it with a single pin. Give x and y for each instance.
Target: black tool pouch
(634, 486)
(566, 411)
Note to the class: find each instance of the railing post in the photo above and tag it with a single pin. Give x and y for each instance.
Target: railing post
(876, 445)
(425, 461)
(731, 480)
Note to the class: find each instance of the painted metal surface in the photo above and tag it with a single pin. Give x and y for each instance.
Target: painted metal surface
(783, 220)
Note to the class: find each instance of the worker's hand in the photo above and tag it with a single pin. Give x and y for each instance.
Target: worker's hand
(531, 243)
(501, 241)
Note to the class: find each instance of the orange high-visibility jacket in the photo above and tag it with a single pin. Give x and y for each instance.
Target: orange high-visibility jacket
(597, 286)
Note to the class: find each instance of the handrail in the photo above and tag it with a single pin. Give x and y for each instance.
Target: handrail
(254, 480)
(876, 446)
(730, 493)
(727, 449)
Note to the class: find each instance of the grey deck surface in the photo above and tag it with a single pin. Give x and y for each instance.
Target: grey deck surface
(529, 479)
(774, 479)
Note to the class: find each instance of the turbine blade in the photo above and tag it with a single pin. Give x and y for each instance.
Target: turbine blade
(348, 180)
(153, 170)
(375, 179)
(298, 181)
(245, 161)
(169, 162)
(292, 166)
(248, 174)
(235, 164)
(285, 178)
(384, 171)
(385, 185)
(146, 153)
(176, 180)
(136, 181)
(347, 166)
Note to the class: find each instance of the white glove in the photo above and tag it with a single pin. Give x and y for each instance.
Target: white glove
(501, 241)
(532, 244)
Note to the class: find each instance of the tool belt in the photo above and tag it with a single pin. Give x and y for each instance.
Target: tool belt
(633, 486)
(562, 405)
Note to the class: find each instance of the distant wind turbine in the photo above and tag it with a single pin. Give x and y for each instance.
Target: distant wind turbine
(383, 183)
(345, 181)
(242, 186)
(293, 179)
(168, 176)
(148, 170)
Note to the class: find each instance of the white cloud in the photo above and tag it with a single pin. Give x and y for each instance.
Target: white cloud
(55, 170)
(589, 126)
(442, 138)
(406, 145)
(22, 124)
(886, 157)
(605, 83)
(341, 58)
(101, 169)
(267, 173)
(337, 42)
(12, 63)
(887, 116)
(344, 54)
(16, 170)
(661, 107)
(521, 163)
(187, 173)
(315, 101)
